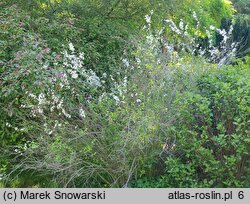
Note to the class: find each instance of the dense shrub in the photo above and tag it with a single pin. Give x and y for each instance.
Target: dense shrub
(210, 134)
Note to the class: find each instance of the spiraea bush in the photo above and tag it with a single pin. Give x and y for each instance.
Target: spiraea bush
(49, 113)
(204, 120)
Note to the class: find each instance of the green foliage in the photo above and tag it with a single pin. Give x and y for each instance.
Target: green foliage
(12, 30)
(113, 109)
(211, 133)
(209, 12)
(242, 6)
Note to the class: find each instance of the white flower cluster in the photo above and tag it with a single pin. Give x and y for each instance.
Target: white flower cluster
(118, 91)
(20, 149)
(148, 17)
(197, 22)
(92, 79)
(52, 129)
(74, 67)
(226, 50)
(82, 113)
(218, 54)
(173, 27)
(7, 124)
(126, 62)
(72, 62)
(43, 102)
(70, 78)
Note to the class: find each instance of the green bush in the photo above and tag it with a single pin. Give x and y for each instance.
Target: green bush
(211, 133)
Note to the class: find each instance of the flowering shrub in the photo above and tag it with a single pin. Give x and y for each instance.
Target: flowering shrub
(57, 116)
(164, 116)
(221, 54)
(202, 106)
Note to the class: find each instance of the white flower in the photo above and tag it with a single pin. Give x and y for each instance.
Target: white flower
(8, 125)
(212, 27)
(195, 16)
(82, 113)
(74, 75)
(39, 110)
(81, 56)
(71, 47)
(150, 38)
(208, 34)
(66, 114)
(125, 62)
(94, 80)
(148, 19)
(173, 26)
(222, 32)
(138, 100)
(181, 25)
(41, 98)
(102, 97)
(116, 98)
(138, 60)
